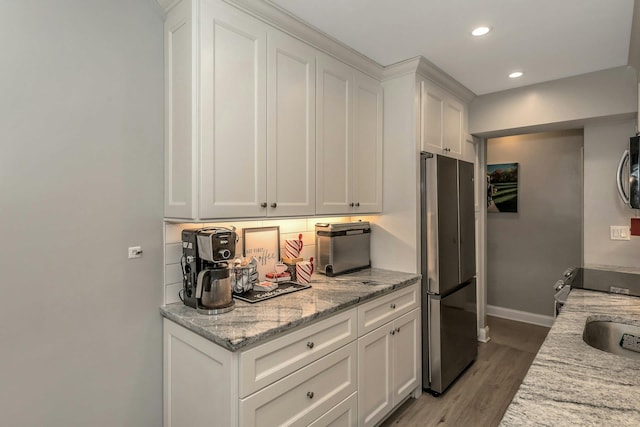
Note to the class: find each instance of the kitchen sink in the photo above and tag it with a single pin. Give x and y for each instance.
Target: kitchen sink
(614, 337)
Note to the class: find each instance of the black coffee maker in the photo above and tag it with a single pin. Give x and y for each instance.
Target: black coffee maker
(205, 272)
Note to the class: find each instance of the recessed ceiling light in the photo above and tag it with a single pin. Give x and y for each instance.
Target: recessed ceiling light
(515, 74)
(480, 31)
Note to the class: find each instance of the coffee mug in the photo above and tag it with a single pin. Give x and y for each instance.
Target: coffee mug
(292, 248)
(304, 270)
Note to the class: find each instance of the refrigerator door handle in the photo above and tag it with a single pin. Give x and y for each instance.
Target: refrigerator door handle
(623, 195)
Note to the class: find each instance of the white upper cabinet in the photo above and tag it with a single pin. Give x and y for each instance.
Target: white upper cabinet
(367, 169)
(349, 146)
(233, 145)
(335, 136)
(291, 116)
(443, 122)
(180, 190)
(240, 121)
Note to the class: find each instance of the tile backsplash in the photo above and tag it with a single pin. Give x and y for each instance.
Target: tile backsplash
(289, 229)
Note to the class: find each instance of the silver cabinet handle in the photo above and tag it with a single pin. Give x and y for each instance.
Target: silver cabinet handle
(310, 344)
(393, 306)
(351, 204)
(273, 205)
(357, 204)
(310, 394)
(397, 330)
(263, 204)
(446, 150)
(393, 332)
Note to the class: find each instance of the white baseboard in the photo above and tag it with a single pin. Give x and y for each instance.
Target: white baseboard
(483, 334)
(520, 316)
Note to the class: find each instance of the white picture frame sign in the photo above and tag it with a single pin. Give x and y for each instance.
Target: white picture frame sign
(263, 244)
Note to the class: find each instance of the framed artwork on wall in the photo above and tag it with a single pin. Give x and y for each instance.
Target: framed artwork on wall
(502, 187)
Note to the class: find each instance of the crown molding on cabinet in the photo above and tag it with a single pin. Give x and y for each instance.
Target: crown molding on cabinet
(273, 15)
(283, 20)
(429, 70)
(167, 5)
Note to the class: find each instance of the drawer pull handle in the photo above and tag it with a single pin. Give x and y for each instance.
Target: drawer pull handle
(393, 306)
(310, 345)
(310, 394)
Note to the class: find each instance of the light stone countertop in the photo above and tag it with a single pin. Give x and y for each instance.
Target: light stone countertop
(573, 384)
(248, 324)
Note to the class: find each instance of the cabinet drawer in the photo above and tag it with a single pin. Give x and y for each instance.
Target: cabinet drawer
(384, 309)
(267, 363)
(344, 414)
(305, 395)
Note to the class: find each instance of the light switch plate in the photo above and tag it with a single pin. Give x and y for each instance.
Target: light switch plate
(620, 232)
(134, 252)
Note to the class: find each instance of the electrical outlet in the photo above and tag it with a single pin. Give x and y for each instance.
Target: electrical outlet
(135, 252)
(620, 232)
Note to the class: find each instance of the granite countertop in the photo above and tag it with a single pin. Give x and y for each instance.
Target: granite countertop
(571, 383)
(249, 323)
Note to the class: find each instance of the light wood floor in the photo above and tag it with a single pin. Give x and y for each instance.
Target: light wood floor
(481, 395)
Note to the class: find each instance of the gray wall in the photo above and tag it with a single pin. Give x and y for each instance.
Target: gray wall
(81, 173)
(603, 146)
(565, 103)
(528, 251)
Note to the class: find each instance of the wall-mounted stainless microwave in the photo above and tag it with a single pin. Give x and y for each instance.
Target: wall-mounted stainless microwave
(628, 179)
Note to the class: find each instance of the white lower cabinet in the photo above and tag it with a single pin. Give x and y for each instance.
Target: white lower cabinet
(199, 380)
(345, 414)
(335, 372)
(307, 394)
(388, 367)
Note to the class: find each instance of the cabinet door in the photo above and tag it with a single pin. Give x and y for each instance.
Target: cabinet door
(431, 117)
(453, 127)
(406, 355)
(375, 397)
(232, 113)
(291, 126)
(367, 147)
(442, 121)
(179, 185)
(334, 186)
(199, 380)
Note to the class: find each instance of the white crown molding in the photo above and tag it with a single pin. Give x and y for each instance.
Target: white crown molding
(167, 5)
(283, 20)
(429, 70)
(273, 15)
(408, 66)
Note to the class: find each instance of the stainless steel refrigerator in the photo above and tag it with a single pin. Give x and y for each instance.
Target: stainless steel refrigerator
(449, 329)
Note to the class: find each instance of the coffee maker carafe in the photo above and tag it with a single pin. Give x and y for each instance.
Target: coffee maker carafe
(205, 273)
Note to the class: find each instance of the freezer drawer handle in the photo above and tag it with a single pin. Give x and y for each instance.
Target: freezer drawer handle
(310, 344)
(393, 306)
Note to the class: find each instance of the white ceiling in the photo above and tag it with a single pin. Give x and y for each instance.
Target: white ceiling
(546, 39)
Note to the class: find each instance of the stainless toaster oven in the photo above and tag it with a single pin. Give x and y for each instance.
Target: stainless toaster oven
(342, 247)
